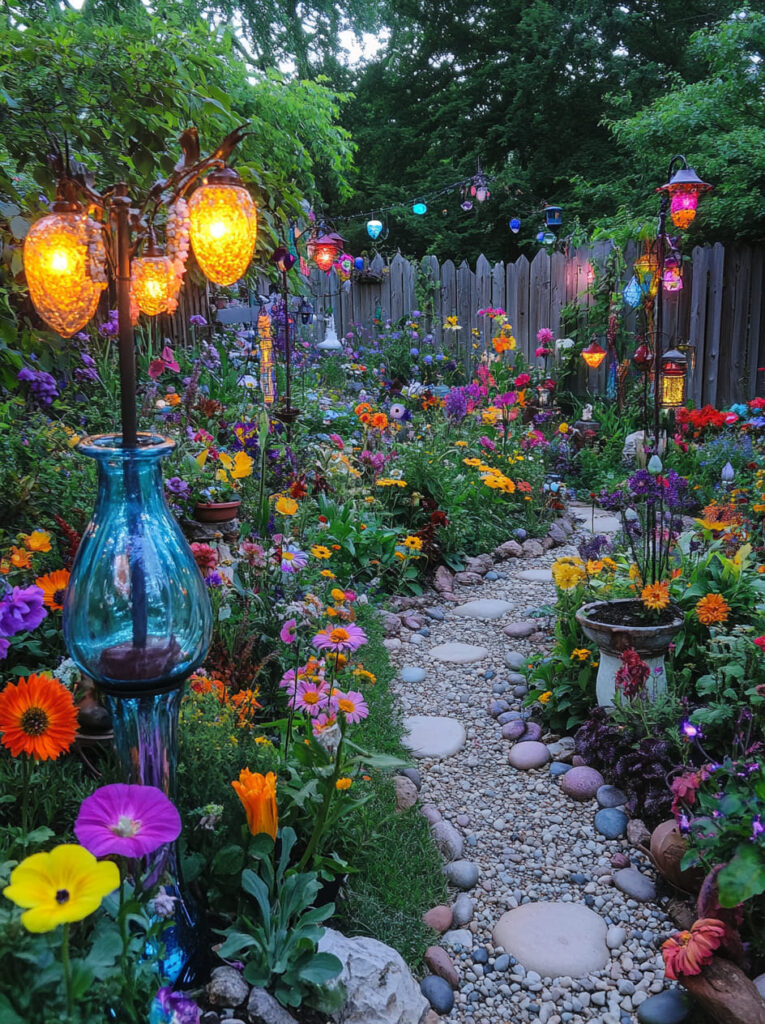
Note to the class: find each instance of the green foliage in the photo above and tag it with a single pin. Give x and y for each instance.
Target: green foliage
(278, 943)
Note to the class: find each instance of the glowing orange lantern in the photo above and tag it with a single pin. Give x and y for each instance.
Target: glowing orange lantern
(593, 355)
(684, 189)
(64, 261)
(647, 273)
(674, 369)
(223, 225)
(154, 284)
(325, 249)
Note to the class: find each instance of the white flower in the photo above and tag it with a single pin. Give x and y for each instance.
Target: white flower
(397, 411)
(563, 344)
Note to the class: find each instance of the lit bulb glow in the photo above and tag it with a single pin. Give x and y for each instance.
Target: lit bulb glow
(223, 228)
(672, 391)
(593, 355)
(58, 252)
(154, 284)
(682, 208)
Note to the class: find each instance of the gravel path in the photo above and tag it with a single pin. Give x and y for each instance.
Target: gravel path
(532, 843)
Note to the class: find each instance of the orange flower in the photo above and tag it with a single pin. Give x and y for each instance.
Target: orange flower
(379, 421)
(53, 586)
(362, 407)
(20, 558)
(655, 596)
(712, 608)
(37, 540)
(365, 417)
(258, 795)
(687, 952)
(38, 717)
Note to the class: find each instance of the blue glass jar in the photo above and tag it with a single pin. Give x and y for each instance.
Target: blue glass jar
(136, 616)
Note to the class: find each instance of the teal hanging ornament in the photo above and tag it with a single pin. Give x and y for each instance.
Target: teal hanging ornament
(419, 209)
(292, 247)
(631, 293)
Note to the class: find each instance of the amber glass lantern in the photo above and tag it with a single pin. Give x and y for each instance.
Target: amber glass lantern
(593, 355)
(674, 371)
(223, 226)
(684, 189)
(154, 284)
(64, 261)
(647, 274)
(325, 249)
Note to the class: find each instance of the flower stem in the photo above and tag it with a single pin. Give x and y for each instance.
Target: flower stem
(305, 860)
(66, 967)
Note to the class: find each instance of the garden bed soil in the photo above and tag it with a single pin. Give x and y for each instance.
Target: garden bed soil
(633, 614)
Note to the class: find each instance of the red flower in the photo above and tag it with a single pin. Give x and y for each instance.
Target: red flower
(687, 952)
(757, 403)
(522, 380)
(760, 641)
(205, 556)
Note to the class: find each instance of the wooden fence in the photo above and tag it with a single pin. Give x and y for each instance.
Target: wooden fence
(719, 310)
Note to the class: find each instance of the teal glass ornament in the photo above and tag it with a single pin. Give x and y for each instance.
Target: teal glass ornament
(136, 614)
(419, 209)
(631, 293)
(374, 227)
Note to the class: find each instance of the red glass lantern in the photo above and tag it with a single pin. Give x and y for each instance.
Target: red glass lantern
(643, 358)
(593, 355)
(324, 249)
(684, 189)
(672, 277)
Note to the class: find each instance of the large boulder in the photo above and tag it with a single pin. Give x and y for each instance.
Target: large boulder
(379, 986)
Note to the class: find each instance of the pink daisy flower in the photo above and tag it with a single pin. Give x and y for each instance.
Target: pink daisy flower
(311, 697)
(293, 559)
(351, 704)
(288, 632)
(323, 722)
(340, 638)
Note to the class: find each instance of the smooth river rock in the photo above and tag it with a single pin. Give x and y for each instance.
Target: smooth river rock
(581, 783)
(635, 884)
(554, 939)
(528, 754)
(432, 736)
(485, 608)
(458, 653)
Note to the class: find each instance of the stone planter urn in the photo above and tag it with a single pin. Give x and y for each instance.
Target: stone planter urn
(616, 626)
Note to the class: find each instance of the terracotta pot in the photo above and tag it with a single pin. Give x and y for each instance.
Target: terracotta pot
(651, 642)
(668, 847)
(217, 512)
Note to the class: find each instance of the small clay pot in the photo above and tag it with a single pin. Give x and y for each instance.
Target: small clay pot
(217, 512)
(668, 847)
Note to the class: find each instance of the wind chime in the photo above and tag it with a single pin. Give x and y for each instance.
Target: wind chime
(266, 343)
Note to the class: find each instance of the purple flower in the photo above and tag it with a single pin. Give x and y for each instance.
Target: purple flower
(508, 398)
(175, 485)
(21, 609)
(111, 327)
(128, 821)
(210, 356)
(198, 320)
(42, 386)
(293, 559)
(757, 827)
(455, 405)
(428, 360)
(415, 313)
(287, 633)
(214, 579)
(4, 647)
(414, 352)
(170, 1007)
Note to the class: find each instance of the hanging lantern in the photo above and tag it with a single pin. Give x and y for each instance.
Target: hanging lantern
(343, 267)
(515, 225)
(674, 370)
(647, 273)
(419, 209)
(65, 266)
(631, 293)
(593, 355)
(548, 237)
(306, 312)
(223, 226)
(374, 227)
(324, 249)
(684, 189)
(643, 358)
(672, 277)
(154, 284)
(553, 216)
(479, 186)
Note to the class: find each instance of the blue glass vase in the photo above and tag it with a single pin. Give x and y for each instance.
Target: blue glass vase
(137, 617)
(138, 620)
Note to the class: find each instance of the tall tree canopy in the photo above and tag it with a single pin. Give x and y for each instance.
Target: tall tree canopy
(529, 86)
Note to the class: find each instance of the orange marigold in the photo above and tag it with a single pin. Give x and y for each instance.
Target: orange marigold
(687, 952)
(53, 586)
(655, 596)
(38, 717)
(712, 608)
(380, 421)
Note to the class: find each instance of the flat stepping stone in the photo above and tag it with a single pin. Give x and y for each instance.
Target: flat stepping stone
(554, 939)
(458, 653)
(601, 522)
(633, 883)
(529, 754)
(410, 674)
(487, 608)
(433, 736)
(519, 630)
(536, 575)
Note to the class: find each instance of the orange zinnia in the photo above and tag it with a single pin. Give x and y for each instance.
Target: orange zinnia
(258, 795)
(712, 608)
(687, 952)
(37, 540)
(655, 596)
(379, 421)
(37, 717)
(53, 586)
(20, 558)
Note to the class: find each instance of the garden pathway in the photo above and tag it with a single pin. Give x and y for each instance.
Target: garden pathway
(545, 933)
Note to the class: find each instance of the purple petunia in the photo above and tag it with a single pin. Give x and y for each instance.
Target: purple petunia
(170, 1007)
(179, 487)
(21, 609)
(127, 821)
(198, 320)
(42, 386)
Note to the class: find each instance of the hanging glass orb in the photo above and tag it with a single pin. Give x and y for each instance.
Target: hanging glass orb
(643, 357)
(324, 249)
(515, 225)
(374, 228)
(548, 237)
(65, 266)
(467, 205)
(419, 209)
(540, 236)
(359, 263)
(154, 284)
(631, 293)
(223, 226)
(593, 355)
